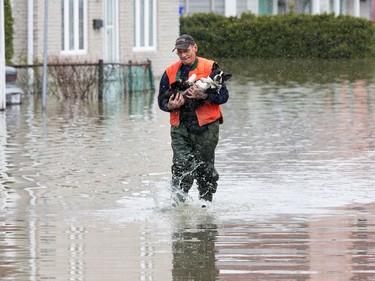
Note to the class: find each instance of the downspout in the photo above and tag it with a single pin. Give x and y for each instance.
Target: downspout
(316, 7)
(30, 39)
(357, 8)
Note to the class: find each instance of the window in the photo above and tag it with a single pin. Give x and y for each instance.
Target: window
(73, 26)
(265, 7)
(144, 24)
(304, 6)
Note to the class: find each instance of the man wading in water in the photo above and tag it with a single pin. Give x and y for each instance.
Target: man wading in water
(195, 117)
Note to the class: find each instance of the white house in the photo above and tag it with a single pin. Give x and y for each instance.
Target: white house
(357, 8)
(89, 30)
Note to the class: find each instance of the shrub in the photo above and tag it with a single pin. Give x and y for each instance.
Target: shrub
(281, 36)
(9, 51)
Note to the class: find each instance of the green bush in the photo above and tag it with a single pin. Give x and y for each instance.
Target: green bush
(281, 36)
(9, 51)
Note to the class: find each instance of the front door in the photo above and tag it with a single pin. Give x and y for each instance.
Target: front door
(111, 45)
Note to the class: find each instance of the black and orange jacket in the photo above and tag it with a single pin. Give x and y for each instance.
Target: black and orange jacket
(208, 112)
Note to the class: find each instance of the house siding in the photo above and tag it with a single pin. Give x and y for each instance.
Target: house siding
(166, 33)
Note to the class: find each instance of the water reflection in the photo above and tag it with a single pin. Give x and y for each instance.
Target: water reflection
(194, 252)
(335, 247)
(79, 198)
(138, 105)
(284, 72)
(265, 251)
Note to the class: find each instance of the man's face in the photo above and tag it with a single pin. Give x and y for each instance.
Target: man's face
(187, 56)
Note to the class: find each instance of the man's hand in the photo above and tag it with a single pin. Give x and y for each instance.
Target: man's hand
(194, 92)
(176, 101)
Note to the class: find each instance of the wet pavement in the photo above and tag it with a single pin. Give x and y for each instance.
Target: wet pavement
(84, 186)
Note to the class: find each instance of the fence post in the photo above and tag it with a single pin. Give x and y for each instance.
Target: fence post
(150, 75)
(100, 79)
(130, 78)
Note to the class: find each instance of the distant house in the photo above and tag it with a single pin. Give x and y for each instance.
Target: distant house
(89, 30)
(357, 8)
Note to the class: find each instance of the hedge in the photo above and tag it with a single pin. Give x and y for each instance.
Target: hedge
(281, 36)
(9, 51)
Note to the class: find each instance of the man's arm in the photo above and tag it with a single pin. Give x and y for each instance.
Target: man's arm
(163, 99)
(218, 97)
(168, 99)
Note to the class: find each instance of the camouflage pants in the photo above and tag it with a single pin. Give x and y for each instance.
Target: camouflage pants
(194, 158)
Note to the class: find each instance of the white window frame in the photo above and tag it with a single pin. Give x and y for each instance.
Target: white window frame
(66, 46)
(146, 29)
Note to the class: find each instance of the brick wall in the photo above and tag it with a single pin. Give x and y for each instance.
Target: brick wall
(167, 32)
(20, 30)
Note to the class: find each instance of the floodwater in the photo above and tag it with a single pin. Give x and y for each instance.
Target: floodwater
(84, 186)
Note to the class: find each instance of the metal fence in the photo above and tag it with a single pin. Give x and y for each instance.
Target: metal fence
(86, 79)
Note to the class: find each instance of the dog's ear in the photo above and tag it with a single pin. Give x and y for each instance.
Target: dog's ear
(215, 66)
(227, 76)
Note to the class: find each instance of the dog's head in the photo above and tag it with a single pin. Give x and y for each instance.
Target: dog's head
(218, 76)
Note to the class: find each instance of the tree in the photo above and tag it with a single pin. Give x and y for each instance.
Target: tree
(8, 26)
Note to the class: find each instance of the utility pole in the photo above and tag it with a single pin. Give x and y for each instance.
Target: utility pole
(2, 57)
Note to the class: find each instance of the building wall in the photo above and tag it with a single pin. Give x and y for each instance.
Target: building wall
(95, 37)
(20, 30)
(167, 32)
(241, 7)
(202, 6)
(365, 9)
(198, 6)
(162, 56)
(252, 6)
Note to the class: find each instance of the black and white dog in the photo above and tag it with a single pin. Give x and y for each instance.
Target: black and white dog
(182, 85)
(212, 81)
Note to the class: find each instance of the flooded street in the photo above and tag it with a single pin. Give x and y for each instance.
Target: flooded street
(84, 186)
